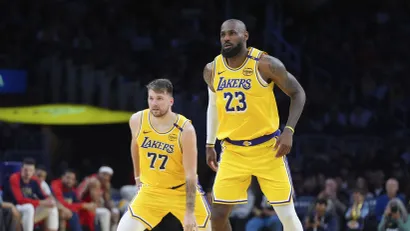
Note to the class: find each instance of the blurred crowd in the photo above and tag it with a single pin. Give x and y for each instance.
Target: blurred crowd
(29, 201)
(351, 156)
(358, 54)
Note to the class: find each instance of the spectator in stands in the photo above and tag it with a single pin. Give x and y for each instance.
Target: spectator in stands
(395, 217)
(65, 194)
(106, 213)
(334, 204)
(361, 184)
(25, 189)
(377, 180)
(265, 218)
(63, 212)
(357, 213)
(392, 187)
(41, 174)
(9, 216)
(26, 213)
(320, 220)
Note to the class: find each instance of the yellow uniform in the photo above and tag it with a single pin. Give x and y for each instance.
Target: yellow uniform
(248, 124)
(162, 176)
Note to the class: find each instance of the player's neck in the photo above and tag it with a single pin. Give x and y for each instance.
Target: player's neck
(238, 60)
(168, 118)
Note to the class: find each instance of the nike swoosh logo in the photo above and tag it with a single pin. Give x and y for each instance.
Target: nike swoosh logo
(145, 132)
(221, 72)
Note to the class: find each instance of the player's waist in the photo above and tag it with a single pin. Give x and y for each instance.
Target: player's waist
(255, 141)
(164, 187)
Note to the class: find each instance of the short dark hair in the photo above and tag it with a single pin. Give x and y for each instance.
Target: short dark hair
(321, 201)
(29, 161)
(69, 170)
(161, 85)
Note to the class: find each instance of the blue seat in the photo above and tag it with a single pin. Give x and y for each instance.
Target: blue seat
(8, 168)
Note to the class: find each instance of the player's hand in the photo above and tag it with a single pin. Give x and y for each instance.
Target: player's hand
(211, 158)
(138, 184)
(190, 222)
(284, 143)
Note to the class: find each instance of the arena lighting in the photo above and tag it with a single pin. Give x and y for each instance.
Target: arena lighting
(63, 114)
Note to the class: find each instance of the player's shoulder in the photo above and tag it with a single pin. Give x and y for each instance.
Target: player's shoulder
(209, 67)
(188, 128)
(185, 123)
(208, 73)
(266, 59)
(136, 118)
(268, 64)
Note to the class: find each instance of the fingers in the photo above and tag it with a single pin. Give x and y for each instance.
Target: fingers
(277, 143)
(283, 150)
(214, 165)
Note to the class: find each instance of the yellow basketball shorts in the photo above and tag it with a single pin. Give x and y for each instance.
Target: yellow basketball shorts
(151, 204)
(237, 166)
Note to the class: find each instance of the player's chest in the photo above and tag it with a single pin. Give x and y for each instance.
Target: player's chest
(164, 143)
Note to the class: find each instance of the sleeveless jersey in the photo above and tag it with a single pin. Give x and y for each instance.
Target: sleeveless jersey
(160, 154)
(246, 104)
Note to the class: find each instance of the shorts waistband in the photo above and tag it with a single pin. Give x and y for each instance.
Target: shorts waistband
(254, 142)
(174, 187)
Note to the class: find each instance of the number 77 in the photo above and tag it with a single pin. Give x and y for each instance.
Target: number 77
(154, 157)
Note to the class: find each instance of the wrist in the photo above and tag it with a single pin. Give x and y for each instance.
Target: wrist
(209, 145)
(189, 212)
(289, 129)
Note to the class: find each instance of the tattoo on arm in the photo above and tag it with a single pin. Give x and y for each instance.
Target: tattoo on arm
(274, 70)
(190, 195)
(286, 81)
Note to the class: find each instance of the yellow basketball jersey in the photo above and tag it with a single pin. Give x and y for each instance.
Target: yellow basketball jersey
(246, 104)
(160, 154)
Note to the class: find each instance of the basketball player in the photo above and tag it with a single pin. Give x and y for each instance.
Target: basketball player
(164, 155)
(242, 113)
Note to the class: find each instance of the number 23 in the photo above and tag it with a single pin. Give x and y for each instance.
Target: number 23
(240, 96)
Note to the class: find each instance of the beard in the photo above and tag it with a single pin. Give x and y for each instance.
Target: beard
(158, 112)
(232, 51)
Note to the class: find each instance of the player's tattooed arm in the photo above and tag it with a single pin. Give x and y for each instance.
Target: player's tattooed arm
(135, 127)
(190, 159)
(273, 70)
(208, 75)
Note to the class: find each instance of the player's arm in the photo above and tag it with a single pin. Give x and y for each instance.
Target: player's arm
(211, 119)
(272, 69)
(135, 126)
(212, 122)
(190, 159)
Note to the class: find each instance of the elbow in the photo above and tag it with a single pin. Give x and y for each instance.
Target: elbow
(299, 95)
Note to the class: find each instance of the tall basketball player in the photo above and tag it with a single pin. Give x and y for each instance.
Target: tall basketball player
(243, 114)
(164, 154)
